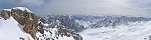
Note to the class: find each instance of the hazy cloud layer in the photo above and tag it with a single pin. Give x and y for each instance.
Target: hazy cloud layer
(32, 2)
(89, 7)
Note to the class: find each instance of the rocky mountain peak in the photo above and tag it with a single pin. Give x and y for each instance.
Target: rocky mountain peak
(33, 26)
(24, 17)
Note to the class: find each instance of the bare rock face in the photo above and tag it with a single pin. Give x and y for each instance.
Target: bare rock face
(29, 20)
(5, 14)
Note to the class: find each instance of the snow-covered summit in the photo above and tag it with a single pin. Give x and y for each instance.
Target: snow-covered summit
(7, 9)
(23, 9)
(19, 8)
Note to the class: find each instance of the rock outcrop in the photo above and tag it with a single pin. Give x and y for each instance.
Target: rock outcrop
(29, 20)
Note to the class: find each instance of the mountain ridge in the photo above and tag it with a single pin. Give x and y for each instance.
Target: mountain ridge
(33, 26)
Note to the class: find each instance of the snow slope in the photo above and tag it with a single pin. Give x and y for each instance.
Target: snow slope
(9, 30)
(135, 31)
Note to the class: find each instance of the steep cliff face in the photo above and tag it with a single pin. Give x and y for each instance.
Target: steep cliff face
(38, 30)
(29, 20)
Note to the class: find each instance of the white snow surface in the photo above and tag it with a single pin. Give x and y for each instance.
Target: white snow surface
(23, 9)
(135, 31)
(9, 30)
(7, 9)
(20, 8)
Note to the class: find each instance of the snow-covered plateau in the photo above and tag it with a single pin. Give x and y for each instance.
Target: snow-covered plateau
(135, 31)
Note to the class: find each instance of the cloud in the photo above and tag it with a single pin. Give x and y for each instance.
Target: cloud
(89, 7)
(98, 7)
(31, 2)
(6, 1)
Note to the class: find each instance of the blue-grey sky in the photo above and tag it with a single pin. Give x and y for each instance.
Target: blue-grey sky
(83, 7)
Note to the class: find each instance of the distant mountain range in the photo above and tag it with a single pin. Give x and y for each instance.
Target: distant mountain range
(92, 21)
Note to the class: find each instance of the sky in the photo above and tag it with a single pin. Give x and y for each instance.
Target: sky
(83, 7)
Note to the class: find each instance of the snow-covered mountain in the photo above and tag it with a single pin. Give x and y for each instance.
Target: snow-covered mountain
(115, 27)
(68, 21)
(100, 21)
(83, 22)
(105, 27)
(20, 23)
